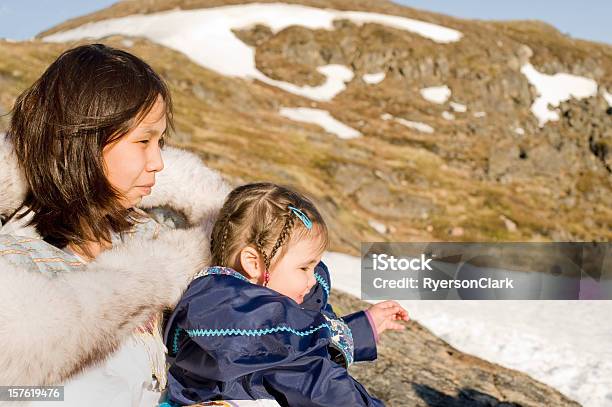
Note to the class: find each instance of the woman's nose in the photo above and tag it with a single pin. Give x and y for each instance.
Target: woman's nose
(155, 162)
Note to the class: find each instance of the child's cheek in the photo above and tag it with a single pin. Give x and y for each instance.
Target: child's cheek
(298, 284)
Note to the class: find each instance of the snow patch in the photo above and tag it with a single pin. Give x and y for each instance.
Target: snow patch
(608, 97)
(373, 78)
(520, 131)
(522, 335)
(378, 226)
(336, 76)
(434, 32)
(321, 118)
(205, 36)
(448, 115)
(479, 115)
(458, 107)
(436, 94)
(554, 89)
(422, 127)
(419, 126)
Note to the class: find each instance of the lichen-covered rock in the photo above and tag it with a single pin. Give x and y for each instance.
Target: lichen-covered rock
(417, 369)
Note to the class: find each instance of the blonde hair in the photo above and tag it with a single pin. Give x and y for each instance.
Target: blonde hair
(258, 214)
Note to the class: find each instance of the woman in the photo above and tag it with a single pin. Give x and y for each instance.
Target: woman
(86, 274)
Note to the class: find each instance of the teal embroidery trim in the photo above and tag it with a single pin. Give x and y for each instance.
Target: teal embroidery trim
(242, 332)
(218, 270)
(323, 283)
(175, 347)
(307, 222)
(254, 332)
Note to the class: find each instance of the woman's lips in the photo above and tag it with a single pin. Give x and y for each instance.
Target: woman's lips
(146, 188)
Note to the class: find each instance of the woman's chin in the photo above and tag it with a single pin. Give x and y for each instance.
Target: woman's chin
(130, 202)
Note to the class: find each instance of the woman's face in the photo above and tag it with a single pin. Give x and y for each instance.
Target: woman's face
(132, 161)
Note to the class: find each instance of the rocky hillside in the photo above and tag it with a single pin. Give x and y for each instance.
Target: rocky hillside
(436, 132)
(475, 165)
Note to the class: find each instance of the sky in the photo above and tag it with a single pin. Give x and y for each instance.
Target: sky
(588, 19)
(23, 19)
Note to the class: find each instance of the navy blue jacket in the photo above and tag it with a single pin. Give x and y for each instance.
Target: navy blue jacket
(229, 339)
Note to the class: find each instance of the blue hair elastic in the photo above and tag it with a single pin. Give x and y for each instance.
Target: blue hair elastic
(307, 222)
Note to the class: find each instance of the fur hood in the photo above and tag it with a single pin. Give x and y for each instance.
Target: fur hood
(12, 182)
(53, 328)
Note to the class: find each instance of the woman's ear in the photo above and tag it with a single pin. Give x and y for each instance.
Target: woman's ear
(252, 264)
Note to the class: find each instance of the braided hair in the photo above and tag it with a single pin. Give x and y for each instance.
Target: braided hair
(258, 214)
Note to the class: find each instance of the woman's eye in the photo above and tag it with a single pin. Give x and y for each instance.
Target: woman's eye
(162, 142)
(144, 141)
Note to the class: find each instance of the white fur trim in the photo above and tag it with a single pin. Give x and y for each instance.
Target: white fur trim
(189, 186)
(53, 327)
(12, 182)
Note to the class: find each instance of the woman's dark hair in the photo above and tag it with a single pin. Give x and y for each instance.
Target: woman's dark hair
(91, 96)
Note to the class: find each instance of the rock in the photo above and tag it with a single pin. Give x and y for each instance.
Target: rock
(350, 176)
(182, 137)
(417, 369)
(510, 225)
(203, 94)
(378, 199)
(457, 231)
(524, 54)
(378, 226)
(569, 202)
(502, 159)
(254, 36)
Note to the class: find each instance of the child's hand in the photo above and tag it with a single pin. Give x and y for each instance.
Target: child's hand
(385, 313)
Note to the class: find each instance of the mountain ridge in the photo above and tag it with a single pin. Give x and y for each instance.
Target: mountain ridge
(489, 173)
(490, 157)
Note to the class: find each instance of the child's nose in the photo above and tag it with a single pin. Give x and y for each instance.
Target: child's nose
(311, 280)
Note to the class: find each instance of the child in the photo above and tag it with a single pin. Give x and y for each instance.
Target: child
(258, 324)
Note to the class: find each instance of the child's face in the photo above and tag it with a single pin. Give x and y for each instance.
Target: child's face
(132, 161)
(293, 274)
